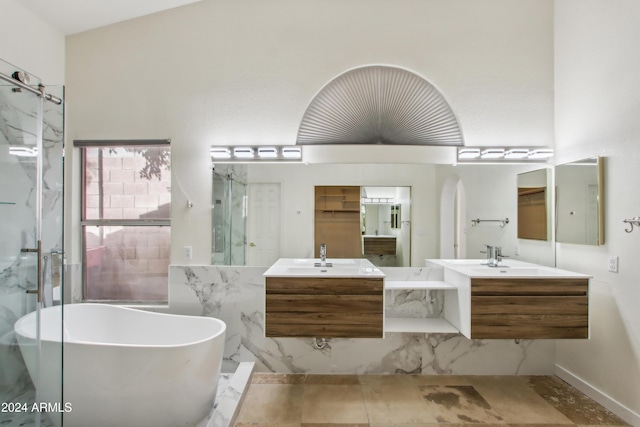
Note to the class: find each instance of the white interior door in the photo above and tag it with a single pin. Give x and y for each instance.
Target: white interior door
(263, 233)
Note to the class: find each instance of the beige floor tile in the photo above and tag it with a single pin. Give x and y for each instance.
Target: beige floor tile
(272, 403)
(572, 403)
(268, 378)
(442, 379)
(458, 404)
(386, 379)
(267, 425)
(332, 379)
(513, 399)
(333, 404)
(396, 403)
(334, 425)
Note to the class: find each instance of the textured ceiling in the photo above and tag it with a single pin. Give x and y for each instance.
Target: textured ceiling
(379, 105)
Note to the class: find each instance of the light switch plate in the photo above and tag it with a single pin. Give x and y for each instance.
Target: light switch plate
(613, 263)
(188, 252)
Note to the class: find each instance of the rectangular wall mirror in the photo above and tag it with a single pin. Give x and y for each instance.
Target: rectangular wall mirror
(579, 202)
(533, 205)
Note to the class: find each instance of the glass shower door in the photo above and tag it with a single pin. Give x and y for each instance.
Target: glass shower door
(30, 249)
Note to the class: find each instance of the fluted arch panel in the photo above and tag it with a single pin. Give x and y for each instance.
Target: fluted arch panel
(379, 105)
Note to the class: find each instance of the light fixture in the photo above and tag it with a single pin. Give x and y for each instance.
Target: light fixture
(256, 154)
(292, 152)
(220, 153)
(487, 155)
(543, 153)
(468, 153)
(243, 152)
(22, 151)
(267, 152)
(516, 153)
(492, 153)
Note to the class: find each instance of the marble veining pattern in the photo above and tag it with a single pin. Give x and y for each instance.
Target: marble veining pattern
(236, 295)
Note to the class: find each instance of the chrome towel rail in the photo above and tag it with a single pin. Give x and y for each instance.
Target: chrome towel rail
(504, 222)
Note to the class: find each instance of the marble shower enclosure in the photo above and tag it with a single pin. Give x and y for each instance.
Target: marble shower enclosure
(236, 295)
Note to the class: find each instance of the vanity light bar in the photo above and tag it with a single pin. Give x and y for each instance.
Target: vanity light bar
(267, 152)
(468, 153)
(517, 153)
(492, 153)
(243, 152)
(220, 153)
(292, 152)
(541, 154)
(264, 154)
(504, 154)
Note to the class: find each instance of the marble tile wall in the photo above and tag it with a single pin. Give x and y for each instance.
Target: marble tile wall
(236, 295)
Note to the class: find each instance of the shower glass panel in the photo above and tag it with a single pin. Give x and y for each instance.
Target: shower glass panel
(31, 203)
(229, 216)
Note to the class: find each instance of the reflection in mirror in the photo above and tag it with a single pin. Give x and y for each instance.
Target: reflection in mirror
(229, 215)
(533, 205)
(386, 225)
(579, 202)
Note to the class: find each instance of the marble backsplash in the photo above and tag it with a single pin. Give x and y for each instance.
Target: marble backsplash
(236, 295)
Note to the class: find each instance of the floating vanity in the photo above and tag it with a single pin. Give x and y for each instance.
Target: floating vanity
(516, 300)
(343, 298)
(379, 245)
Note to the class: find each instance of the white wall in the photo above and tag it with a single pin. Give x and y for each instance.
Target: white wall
(31, 44)
(597, 85)
(229, 72)
(297, 198)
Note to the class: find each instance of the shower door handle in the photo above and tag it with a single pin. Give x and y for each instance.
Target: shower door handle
(37, 250)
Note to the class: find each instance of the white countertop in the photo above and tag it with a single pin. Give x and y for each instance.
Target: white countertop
(509, 268)
(340, 267)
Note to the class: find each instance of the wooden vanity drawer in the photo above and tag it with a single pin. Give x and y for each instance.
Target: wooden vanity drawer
(324, 307)
(529, 286)
(529, 308)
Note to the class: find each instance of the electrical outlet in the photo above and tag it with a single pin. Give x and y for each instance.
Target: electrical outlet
(613, 263)
(188, 252)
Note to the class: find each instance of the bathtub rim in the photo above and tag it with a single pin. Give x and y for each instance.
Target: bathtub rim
(21, 331)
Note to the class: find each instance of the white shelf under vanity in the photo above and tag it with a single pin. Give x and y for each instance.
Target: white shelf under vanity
(416, 324)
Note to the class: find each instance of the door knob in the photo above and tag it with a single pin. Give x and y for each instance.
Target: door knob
(252, 244)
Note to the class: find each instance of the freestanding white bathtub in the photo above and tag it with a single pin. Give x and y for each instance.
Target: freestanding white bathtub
(125, 367)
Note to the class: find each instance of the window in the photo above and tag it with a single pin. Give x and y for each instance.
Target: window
(126, 225)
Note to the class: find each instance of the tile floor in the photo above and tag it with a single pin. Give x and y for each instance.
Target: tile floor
(298, 400)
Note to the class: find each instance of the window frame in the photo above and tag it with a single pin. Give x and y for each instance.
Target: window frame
(83, 145)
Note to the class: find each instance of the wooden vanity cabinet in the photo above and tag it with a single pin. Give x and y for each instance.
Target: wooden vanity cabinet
(333, 307)
(529, 308)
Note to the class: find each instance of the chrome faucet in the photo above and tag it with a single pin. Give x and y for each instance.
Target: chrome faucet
(499, 256)
(323, 253)
(494, 256)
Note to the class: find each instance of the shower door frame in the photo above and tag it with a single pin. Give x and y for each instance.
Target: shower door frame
(35, 112)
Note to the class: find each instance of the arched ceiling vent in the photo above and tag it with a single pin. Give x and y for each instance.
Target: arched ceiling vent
(379, 105)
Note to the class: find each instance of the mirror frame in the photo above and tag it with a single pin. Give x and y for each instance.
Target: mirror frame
(599, 163)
